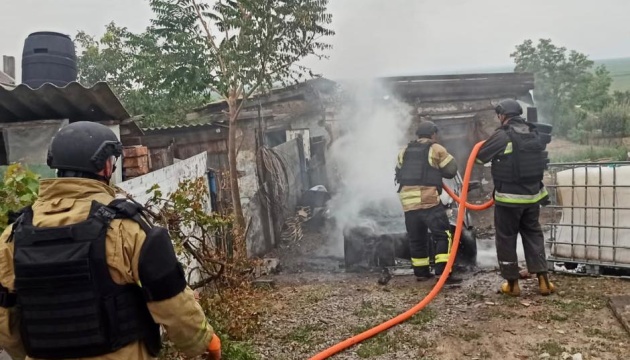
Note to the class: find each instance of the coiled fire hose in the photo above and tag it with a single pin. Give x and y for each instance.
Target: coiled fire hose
(462, 200)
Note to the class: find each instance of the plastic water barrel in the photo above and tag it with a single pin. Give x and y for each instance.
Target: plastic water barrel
(48, 57)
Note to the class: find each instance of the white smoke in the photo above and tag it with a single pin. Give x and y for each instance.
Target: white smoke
(487, 252)
(374, 129)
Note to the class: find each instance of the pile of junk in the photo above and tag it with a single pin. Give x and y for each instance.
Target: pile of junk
(380, 244)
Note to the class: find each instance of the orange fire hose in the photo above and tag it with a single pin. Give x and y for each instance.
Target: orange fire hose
(488, 204)
(438, 286)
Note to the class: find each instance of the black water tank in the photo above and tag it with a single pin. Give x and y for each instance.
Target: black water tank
(48, 57)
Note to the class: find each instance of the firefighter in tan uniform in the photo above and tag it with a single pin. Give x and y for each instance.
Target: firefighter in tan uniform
(86, 276)
(420, 168)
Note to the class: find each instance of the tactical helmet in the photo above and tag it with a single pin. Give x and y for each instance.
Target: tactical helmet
(426, 128)
(83, 146)
(509, 107)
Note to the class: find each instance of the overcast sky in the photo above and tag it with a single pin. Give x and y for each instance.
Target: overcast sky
(379, 37)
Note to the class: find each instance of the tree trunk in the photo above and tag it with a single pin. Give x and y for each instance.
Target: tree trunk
(235, 192)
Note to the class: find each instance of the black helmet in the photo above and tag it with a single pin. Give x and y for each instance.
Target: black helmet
(509, 107)
(83, 146)
(426, 128)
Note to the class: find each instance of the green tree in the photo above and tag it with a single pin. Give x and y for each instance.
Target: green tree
(160, 73)
(105, 59)
(564, 80)
(621, 97)
(250, 45)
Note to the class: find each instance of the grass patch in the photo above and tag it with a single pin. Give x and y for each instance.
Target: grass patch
(238, 351)
(606, 334)
(551, 347)
(423, 317)
(316, 296)
(303, 334)
(424, 343)
(369, 309)
(558, 317)
(565, 309)
(390, 341)
(510, 300)
(379, 345)
(475, 296)
(467, 335)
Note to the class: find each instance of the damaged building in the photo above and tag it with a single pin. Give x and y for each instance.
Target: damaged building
(462, 106)
(293, 124)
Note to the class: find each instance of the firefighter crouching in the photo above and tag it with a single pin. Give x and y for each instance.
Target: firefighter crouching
(420, 168)
(85, 275)
(518, 166)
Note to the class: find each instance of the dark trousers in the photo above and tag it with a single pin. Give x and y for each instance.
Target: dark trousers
(509, 222)
(417, 223)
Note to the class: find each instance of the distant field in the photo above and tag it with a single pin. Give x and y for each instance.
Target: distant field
(619, 71)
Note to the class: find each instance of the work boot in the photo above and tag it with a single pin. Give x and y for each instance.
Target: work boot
(424, 277)
(511, 288)
(453, 280)
(546, 287)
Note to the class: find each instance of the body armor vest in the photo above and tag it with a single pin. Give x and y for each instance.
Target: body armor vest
(68, 303)
(527, 161)
(416, 170)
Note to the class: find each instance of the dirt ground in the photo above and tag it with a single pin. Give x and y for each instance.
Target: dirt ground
(310, 312)
(314, 304)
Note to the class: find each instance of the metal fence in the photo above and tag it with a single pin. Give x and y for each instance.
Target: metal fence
(589, 215)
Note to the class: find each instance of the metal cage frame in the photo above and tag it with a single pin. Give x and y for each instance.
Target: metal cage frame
(590, 266)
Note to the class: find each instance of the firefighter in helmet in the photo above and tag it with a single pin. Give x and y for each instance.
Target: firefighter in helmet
(86, 275)
(518, 165)
(420, 168)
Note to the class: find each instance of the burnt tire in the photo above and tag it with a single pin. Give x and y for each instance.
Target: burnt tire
(467, 251)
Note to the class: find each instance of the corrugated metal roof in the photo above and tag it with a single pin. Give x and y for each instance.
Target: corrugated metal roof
(167, 128)
(73, 101)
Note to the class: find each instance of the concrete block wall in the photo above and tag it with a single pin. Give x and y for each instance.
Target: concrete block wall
(168, 178)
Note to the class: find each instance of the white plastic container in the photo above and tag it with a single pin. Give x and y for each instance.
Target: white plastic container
(594, 235)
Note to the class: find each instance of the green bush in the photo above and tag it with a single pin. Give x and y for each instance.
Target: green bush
(18, 188)
(614, 119)
(593, 154)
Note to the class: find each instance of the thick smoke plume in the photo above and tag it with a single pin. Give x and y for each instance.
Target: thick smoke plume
(374, 128)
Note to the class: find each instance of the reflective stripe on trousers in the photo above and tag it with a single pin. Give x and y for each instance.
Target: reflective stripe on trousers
(442, 258)
(420, 261)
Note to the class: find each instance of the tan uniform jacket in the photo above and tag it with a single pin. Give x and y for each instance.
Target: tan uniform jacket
(66, 201)
(423, 197)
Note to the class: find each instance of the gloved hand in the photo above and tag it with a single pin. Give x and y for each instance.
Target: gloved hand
(214, 348)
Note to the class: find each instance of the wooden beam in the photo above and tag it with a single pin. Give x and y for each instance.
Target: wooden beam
(620, 306)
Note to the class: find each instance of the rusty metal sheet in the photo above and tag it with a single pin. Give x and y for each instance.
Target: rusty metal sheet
(73, 102)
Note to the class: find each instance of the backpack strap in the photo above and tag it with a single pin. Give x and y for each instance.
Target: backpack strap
(129, 209)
